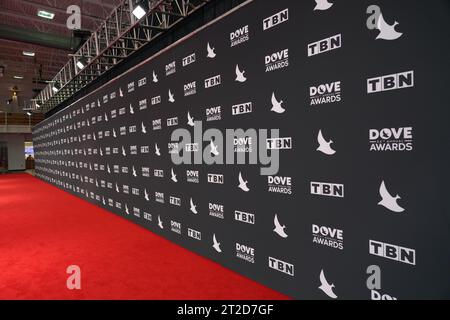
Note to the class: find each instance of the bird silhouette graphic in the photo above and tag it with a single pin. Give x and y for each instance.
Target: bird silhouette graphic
(240, 75)
(243, 184)
(117, 188)
(157, 150)
(211, 53)
(276, 105)
(146, 195)
(326, 287)
(279, 229)
(174, 176)
(216, 245)
(387, 32)
(123, 152)
(322, 5)
(190, 122)
(134, 172)
(160, 223)
(171, 97)
(131, 109)
(214, 150)
(388, 201)
(155, 77)
(114, 133)
(324, 146)
(193, 207)
(127, 211)
(120, 92)
(143, 128)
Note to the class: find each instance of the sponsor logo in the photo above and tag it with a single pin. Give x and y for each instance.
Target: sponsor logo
(171, 122)
(156, 100)
(239, 36)
(325, 93)
(191, 147)
(245, 252)
(278, 184)
(175, 226)
(393, 252)
(213, 81)
(279, 229)
(147, 216)
(157, 124)
(197, 235)
(130, 87)
(391, 139)
(279, 144)
(192, 176)
(244, 217)
(214, 114)
(216, 210)
(159, 197)
(158, 173)
(175, 201)
(190, 89)
(276, 19)
(171, 68)
(324, 45)
(173, 147)
(215, 178)
(143, 104)
(327, 236)
(277, 60)
(322, 5)
(242, 145)
(190, 59)
(391, 82)
(281, 266)
(142, 82)
(327, 189)
(324, 145)
(243, 108)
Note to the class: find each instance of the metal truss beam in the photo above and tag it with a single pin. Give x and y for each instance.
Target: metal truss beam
(119, 36)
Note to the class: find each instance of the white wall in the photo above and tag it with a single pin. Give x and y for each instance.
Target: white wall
(16, 150)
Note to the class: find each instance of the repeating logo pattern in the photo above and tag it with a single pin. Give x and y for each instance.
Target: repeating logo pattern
(289, 98)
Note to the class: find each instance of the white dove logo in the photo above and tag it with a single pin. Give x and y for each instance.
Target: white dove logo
(95, 139)
(98, 103)
(160, 224)
(193, 207)
(143, 128)
(323, 5)
(96, 183)
(134, 172)
(146, 195)
(155, 77)
(326, 287)
(101, 152)
(108, 168)
(211, 53)
(171, 97)
(279, 229)
(106, 117)
(123, 152)
(114, 133)
(120, 92)
(276, 105)
(157, 150)
(131, 109)
(117, 188)
(214, 149)
(324, 146)
(126, 209)
(388, 201)
(216, 245)
(190, 120)
(174, 176)
(88, 124)
(103, 201)
(376, 21)
(90, 167)
(387, 32)
(243, 184)
(240, 75)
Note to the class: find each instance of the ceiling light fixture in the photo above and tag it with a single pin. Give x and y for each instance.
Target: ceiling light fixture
(28, 53)
(140, 9)
(18, 77)
(56, 87)
(82, 62)
(46, 14)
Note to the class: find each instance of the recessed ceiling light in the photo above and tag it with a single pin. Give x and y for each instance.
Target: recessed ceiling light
(46, 14)
(18, 77)
(28, 53)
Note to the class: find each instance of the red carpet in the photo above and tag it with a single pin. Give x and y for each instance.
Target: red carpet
(43, 230)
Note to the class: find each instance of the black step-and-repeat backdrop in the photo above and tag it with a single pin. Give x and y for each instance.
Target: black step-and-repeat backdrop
(344, 201)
